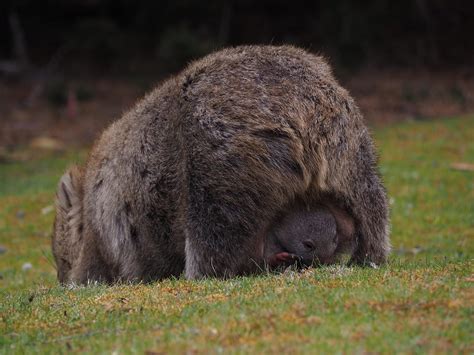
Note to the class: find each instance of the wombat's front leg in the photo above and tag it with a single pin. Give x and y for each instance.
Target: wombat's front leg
(220, 241)
(365, 196)
(372, 231)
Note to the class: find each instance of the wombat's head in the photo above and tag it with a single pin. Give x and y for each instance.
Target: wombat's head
(310, 235)
(67, 227)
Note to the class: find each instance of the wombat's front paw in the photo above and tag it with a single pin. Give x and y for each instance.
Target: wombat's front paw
(282, 259)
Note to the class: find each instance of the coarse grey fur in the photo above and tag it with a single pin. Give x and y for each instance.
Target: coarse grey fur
(191, 178)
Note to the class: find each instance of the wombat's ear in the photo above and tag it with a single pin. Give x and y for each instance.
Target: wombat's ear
(69, 189)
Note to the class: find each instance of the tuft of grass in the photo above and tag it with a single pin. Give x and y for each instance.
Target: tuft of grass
(421, 301)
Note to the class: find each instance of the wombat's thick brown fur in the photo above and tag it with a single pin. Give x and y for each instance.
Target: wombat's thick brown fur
(191, 178)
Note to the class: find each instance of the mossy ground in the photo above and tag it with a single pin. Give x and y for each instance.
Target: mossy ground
(422, 301)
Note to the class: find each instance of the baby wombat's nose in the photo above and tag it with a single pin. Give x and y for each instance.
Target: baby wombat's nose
(309, 244)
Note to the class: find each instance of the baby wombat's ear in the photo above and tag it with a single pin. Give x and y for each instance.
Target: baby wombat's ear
(68, 221)
(68, 195)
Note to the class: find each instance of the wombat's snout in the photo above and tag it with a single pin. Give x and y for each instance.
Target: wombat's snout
(309, 244)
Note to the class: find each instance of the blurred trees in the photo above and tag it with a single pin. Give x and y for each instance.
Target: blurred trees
(128, 35)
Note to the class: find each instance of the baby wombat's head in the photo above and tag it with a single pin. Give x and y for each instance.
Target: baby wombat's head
(309, 236)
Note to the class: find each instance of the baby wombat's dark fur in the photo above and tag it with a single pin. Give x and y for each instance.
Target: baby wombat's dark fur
(309, 235)
(195, 173)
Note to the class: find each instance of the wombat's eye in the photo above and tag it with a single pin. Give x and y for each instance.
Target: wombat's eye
(308, 244)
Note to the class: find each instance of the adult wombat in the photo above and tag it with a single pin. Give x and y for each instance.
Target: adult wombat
(192, 177)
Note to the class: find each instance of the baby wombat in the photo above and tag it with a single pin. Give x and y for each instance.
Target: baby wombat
(191, 177)
(309, 235)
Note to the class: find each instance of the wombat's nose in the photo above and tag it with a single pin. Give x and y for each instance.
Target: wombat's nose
(309, 244)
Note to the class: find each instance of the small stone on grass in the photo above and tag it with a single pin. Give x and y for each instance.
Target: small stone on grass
(26, 266)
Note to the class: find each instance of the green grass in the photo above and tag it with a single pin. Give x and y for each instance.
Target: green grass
(422, 301)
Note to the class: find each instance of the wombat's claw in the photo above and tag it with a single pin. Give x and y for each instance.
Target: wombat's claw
(365, 263)
(373, 265)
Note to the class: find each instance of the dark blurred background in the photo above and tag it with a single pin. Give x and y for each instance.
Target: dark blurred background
(67, 68)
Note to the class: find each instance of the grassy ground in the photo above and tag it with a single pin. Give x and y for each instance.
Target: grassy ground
(422, 301)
